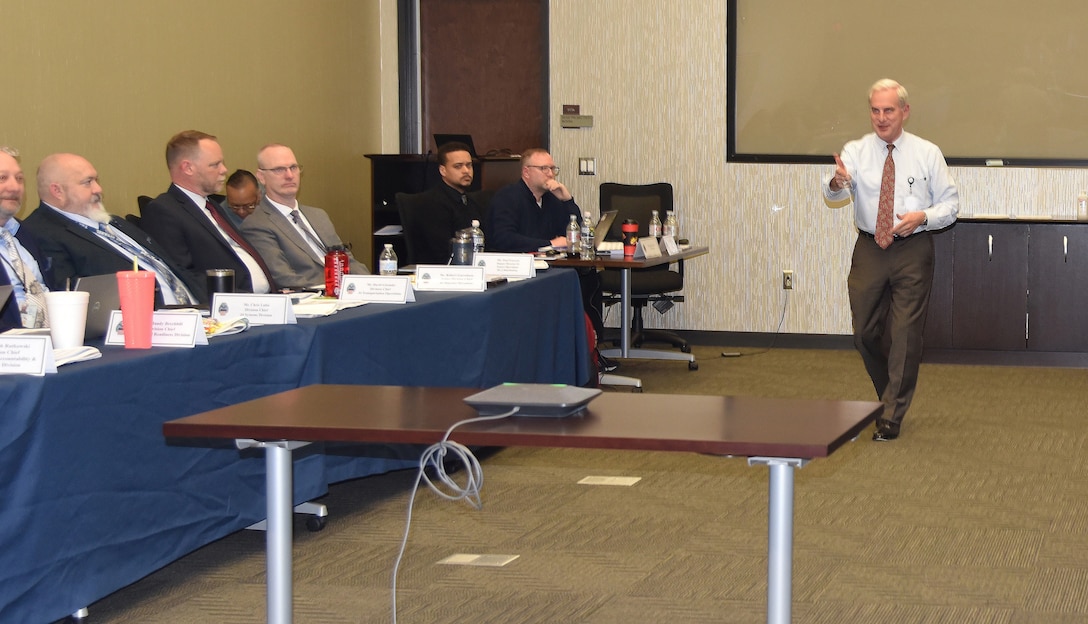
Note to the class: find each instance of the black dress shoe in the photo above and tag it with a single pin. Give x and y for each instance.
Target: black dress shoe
(885, 435)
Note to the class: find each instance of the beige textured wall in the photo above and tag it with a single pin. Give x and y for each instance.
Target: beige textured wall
(653, 75)
(114, 80)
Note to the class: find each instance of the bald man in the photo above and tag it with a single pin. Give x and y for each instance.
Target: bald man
(79, 237)
(291, 237)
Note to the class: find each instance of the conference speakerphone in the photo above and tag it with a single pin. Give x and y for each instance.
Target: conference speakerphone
(540, 400)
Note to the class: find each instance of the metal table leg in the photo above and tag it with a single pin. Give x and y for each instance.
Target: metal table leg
(779, 536)
(279, 490)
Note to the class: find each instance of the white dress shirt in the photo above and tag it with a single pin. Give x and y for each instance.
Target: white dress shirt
(256, 273)
(29, 263)
(922, 180)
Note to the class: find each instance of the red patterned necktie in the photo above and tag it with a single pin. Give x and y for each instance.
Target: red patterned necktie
(884, 209)
(242, 242)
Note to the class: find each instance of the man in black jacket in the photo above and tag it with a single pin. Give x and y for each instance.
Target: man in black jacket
(79, 238)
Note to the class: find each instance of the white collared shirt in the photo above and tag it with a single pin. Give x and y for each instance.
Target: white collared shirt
(256, 273)
(15, 280)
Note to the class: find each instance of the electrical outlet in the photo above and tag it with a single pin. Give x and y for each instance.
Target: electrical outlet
(787, 279)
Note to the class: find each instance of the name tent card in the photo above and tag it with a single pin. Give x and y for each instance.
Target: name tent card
(259, 309)
(377, 289)
(26, 355)
(168, 329)
(450, 278)
(670, 245)
(648, 248)
(512, 266)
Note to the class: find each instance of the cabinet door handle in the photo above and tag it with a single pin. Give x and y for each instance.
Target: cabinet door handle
(1065, 249)
(990, 244)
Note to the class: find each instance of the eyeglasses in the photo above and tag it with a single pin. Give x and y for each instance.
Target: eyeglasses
(545, 168)
(279, 171)
(246, 207)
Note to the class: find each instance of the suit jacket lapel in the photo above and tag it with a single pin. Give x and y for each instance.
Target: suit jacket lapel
(285, 225)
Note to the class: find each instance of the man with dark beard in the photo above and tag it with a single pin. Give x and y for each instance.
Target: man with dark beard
(79, 238)
(447, 207)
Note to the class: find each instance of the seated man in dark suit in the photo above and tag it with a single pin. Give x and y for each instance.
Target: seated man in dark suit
(19, 254)
(292, 238)
(194, 229)
(79, 238)
(446, 208)
(533, 212)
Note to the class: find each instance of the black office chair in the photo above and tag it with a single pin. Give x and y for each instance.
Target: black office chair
(141, 201)
(412, 213)
(656, 285)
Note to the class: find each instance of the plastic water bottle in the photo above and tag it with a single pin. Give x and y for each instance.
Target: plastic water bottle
(574, 235)
(671, 228)
(477, 237)
(589, 247)
(387, 262)
(655, 225)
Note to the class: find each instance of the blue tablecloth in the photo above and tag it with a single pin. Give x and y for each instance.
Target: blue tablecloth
(93, 498)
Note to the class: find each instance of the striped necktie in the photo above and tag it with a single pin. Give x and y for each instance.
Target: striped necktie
(311, 237)
(181, 293)
(33, 309)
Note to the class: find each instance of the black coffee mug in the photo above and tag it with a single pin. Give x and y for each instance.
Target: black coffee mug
(220, 281)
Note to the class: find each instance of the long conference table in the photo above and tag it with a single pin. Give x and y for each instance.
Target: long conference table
(93, 498)
(780, 433)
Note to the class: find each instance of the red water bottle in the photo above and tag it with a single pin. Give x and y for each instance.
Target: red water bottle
(336, 266)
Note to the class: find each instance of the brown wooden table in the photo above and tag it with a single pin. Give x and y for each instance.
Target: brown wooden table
(782, 434)
(626, 265)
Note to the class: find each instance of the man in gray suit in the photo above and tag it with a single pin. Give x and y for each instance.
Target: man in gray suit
(291, 238)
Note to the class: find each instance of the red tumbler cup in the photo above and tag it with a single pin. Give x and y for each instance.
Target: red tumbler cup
(630, 236)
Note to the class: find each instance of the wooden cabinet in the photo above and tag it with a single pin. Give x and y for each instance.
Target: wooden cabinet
(1010, 286)
(989, 286)
(1057, 308)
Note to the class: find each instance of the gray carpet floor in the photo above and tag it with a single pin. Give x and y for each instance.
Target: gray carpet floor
(978, 513)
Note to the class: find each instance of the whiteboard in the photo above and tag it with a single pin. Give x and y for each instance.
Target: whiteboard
(1000, 82)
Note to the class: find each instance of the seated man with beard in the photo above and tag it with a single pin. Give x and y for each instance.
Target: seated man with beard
(79, 238)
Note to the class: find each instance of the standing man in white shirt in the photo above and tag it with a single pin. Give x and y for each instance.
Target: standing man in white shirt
(194, 229)
(901, 189)
(291, 237)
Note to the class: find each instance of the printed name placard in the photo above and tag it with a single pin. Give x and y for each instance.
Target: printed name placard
(450, 278)
(259, 309)
(168, 329)
(26, 355)
(377, 289)
(670, 245)
(512, 266)
(648, 248)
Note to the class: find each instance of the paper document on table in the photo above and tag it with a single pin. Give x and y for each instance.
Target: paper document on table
(390, 230)
(315, 307)
(75, 354)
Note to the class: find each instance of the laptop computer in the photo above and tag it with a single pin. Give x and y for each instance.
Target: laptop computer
(103, 300)
(442, 139)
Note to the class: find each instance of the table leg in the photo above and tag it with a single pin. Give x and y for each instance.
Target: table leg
(625, 351)
(279, 490)
(779, 536)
